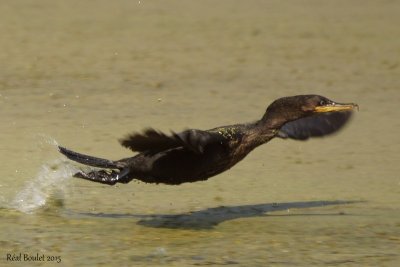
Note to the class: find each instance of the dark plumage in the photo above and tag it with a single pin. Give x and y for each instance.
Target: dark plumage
(195, 155)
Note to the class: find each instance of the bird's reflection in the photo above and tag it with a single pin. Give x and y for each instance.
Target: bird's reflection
(210, 217)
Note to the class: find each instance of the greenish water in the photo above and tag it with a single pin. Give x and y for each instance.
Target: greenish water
(85, 73)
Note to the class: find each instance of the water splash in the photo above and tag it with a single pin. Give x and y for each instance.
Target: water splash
(43, 141)
(50, 180)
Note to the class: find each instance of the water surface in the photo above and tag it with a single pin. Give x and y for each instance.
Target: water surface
(84, 74)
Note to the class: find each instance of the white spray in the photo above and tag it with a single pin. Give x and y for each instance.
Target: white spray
(51, 178)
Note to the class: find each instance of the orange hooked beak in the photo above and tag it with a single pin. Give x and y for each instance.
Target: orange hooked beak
(335, 107)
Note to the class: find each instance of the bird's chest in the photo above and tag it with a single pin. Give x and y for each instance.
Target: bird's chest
(242, 147)
(238, 152)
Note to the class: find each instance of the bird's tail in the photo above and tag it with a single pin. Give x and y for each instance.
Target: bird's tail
(88, 160)
(110, 177)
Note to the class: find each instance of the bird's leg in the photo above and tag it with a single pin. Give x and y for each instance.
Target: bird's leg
(104, 177)
(124, 177)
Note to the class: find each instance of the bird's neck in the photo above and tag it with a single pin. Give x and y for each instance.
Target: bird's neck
(266, 128)
(258, 133)
(274, 120)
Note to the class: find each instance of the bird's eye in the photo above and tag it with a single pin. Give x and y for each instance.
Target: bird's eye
(322, 103)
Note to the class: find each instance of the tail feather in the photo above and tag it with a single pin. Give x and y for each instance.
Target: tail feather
(88, 160)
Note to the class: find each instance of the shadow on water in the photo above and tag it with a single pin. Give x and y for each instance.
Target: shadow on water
(208, 218)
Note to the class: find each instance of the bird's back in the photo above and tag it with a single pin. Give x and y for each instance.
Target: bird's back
(181, 164)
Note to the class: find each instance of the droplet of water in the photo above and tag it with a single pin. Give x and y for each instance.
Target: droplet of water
(160, 252)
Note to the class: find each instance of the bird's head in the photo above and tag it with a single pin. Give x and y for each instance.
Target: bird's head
(292, 108)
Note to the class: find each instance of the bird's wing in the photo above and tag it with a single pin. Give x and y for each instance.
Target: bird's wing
(314, 126)
(152, 141)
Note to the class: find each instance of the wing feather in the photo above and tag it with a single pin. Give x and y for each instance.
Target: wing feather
(152, 141)
(315, 126)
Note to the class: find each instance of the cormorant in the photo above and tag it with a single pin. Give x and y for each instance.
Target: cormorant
(195, 155)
